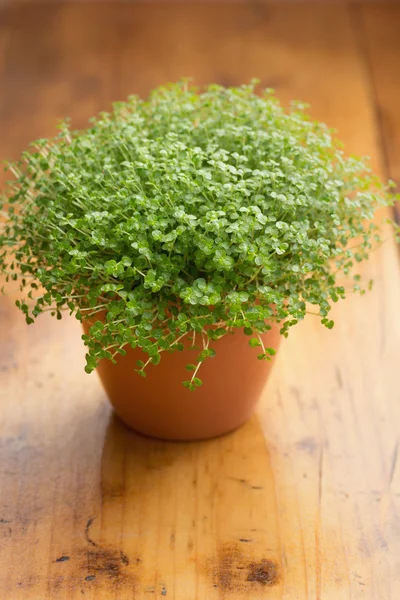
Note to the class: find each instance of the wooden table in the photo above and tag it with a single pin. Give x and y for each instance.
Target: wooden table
(301, 503)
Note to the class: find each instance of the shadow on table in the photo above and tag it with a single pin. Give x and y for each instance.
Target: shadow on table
(187, 512)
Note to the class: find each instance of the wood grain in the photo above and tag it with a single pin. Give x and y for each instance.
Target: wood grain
(303, 502)
(382, 48)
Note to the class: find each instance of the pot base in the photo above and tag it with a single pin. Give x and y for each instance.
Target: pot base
(180, 440)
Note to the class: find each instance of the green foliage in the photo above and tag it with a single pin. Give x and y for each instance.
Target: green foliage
(185, 217)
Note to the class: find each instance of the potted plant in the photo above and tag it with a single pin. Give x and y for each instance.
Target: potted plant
(188, 232)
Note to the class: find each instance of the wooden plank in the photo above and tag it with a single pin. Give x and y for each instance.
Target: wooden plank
(380, 26)
(93, 510)
(3, 45)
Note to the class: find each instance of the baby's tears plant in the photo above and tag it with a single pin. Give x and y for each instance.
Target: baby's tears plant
(179, 219)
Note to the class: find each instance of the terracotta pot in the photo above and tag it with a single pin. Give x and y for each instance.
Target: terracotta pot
(160, 406)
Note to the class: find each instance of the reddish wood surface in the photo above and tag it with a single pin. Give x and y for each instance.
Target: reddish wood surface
(303, 502)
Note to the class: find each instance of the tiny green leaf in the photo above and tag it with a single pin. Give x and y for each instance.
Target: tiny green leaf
(254, 343)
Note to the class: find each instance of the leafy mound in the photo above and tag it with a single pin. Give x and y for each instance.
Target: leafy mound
(185, 201)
